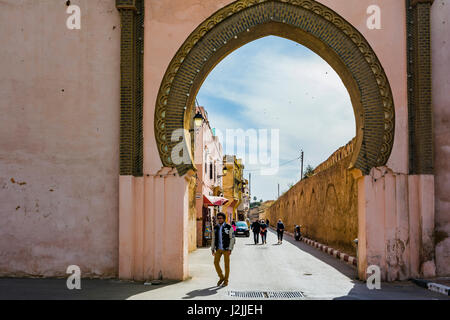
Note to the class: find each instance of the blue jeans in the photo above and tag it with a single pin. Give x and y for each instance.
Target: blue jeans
(263, 236)
(280, 234)
(256, 237)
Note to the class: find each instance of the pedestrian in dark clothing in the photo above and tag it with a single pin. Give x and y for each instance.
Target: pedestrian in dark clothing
(280, 231)
(222, 244)
(256, 228)
(263, 232)
(267, 222)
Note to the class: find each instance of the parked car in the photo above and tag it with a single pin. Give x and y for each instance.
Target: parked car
(242, 229)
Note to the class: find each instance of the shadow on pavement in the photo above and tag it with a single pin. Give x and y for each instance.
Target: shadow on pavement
(202, 292)
(56, 289)
(404, 290)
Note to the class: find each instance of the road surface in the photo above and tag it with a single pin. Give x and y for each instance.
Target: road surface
(292, 267)
(293, 271)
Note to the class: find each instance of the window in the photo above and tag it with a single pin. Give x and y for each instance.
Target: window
(211, 171)
(241, 224)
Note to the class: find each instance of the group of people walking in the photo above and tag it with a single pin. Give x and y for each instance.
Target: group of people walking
(260, 228)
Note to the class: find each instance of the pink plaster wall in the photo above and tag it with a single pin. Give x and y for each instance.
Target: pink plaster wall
(396, 224)
(59, 141)
(154, 234)
(440, 43)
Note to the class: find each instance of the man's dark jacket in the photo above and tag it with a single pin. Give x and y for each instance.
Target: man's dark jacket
(256, 227)
(227, 237)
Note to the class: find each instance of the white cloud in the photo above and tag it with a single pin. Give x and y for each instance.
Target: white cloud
(285, 88)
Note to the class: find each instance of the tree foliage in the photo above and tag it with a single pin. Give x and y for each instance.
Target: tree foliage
(309, 171)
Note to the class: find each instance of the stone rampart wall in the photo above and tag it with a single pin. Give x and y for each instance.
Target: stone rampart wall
(325, 204)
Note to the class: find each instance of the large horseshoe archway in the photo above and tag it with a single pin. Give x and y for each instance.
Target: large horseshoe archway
(304, 21)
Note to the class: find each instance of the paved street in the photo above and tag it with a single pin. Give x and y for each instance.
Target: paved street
(290, 267)
(265, 270)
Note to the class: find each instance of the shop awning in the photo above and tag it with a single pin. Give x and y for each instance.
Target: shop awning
(214, 201)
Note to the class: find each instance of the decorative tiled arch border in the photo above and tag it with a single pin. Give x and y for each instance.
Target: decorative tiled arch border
(377, 115)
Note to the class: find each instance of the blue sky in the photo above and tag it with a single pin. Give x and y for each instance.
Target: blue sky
(277, 84)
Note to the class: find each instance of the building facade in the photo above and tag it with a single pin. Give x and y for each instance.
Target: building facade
(209, 163)
(233, 184)
(244, 206)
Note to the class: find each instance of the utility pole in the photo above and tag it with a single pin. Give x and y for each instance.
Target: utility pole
(249, 192)
(250, 186)
(301, 172)
(278, 190)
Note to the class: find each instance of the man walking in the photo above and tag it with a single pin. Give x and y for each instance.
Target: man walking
(280, 230)
(263, 231)
(256, 228)
(222, 243)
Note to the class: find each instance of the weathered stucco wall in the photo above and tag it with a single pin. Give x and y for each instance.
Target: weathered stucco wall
(59, 146)
(325, 205)
(440, 42)
(396, 224)
(192, 224)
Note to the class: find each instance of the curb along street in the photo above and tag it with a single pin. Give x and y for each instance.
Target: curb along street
(338, 254)
(433, 286)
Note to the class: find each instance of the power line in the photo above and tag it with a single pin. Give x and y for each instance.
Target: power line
(281, 165)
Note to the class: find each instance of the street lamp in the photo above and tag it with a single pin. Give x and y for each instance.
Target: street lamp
(224, 170)
(198, 119)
